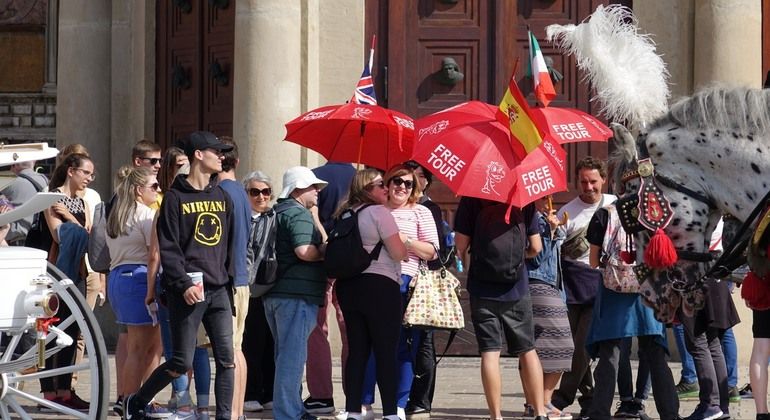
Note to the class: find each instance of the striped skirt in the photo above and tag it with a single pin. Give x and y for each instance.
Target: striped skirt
(553, 338)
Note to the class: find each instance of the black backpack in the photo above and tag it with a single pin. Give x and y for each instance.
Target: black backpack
(497, 247)
(98, 252)
(346, 256)
(261, 256)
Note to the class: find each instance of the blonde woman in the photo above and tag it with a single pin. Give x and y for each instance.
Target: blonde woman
(371, 302)
(129, 236)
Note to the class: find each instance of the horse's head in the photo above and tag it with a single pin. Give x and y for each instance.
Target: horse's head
(693, 220)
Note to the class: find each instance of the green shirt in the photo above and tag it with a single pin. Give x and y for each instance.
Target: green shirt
(296, 278)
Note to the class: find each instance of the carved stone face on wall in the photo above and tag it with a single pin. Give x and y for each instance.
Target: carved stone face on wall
(450, 72)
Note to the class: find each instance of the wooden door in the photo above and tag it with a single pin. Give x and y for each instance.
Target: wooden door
(485, 38)
(194, 62)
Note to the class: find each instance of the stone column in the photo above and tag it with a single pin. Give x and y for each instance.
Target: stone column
(133, 65)
(670, 23)
(51, 46)
(83, 91)
(268, 73)
(728, 43)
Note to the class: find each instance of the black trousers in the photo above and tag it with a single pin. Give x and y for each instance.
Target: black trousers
(424, 382)
(258, 348)
(216, 313)
(371, 305)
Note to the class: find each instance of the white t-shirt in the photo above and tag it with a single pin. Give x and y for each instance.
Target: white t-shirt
(580, 214)
(133, 248)
(376, 223)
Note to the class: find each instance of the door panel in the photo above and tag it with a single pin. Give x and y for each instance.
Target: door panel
(485, 38)
(190, 94)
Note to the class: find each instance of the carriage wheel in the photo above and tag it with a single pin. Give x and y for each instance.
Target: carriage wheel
(24, 401)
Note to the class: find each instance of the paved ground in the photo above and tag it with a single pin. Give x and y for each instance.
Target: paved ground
(459, 394)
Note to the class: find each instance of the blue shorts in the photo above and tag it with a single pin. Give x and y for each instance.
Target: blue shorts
(126, 290)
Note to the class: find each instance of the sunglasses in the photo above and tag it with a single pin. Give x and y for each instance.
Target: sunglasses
(155, 186)
(371, 186)
(405, 182)
(153, 161)
(255, 192)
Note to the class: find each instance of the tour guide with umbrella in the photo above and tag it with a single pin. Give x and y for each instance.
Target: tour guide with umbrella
(470, 150)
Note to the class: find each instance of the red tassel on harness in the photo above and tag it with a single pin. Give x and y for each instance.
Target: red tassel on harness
(660, 252)
(756, 292)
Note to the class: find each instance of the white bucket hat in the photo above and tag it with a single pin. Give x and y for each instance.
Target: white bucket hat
(299, 177)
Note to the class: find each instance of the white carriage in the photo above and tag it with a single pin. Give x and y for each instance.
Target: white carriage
(32, 292)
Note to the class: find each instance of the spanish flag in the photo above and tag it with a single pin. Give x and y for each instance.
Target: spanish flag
(514, 112)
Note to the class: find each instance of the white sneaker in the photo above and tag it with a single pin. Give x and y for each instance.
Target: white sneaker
(401, 413)
(341, 415)
(183, 415)
(252, 406)
(367, 414)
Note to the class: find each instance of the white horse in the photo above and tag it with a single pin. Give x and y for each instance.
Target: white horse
(711, 156)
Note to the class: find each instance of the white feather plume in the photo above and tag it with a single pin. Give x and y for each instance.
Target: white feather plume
(630, 79)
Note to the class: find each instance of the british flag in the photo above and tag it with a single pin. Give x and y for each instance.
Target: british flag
(364, 92)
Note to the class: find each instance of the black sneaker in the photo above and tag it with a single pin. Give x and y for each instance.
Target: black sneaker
(319, 405)
(308, 416)
(117, 408)
(629, 410)
(745, 392)
(763, 416)
(129, 411)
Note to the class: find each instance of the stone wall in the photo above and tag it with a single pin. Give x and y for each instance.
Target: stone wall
(27, 117)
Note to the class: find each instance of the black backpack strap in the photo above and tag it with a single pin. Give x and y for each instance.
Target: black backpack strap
(375, 254)
(38, 187)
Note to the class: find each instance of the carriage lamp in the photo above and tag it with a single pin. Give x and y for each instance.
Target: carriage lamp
(41, 302)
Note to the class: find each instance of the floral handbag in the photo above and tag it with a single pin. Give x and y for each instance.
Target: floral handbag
(618, 275)
(434, 301)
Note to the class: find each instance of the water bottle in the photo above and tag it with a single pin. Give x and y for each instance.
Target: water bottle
(450, 244)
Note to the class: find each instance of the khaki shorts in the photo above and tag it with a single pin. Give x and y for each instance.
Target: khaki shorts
(241, 300)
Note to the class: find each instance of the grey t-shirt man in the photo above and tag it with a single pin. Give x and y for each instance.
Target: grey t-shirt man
(23, 188)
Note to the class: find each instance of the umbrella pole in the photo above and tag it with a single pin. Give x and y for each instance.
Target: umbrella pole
(360, 145)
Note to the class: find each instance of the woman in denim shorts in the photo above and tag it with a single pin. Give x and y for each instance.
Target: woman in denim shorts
(129, 228)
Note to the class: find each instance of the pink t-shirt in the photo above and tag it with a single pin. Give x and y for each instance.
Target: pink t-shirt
(376, 223)
(417, 223)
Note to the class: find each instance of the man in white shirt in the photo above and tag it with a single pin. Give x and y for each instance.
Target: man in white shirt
(581, 282)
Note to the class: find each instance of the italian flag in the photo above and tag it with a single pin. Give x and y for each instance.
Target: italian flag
(544, 91)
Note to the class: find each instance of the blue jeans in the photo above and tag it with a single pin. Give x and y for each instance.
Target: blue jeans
(688, 365)
(291, 321)
(730, 349)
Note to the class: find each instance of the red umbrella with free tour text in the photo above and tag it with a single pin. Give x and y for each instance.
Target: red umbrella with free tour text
(569, 125)
(355, 133)
(470, 151)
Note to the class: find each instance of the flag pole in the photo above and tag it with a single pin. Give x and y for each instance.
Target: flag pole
(371, 53)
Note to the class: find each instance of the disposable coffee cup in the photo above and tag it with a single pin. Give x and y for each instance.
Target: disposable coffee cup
(197, 279)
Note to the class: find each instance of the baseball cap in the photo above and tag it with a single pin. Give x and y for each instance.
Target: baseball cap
(200, 140)
(299, 177)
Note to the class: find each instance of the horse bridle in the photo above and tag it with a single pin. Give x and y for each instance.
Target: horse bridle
(728, 261)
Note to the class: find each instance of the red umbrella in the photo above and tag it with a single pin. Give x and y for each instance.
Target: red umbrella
(355, 133)
(469, 150)
(569, 125)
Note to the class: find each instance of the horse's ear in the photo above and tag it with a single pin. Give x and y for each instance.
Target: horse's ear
(624, 142)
